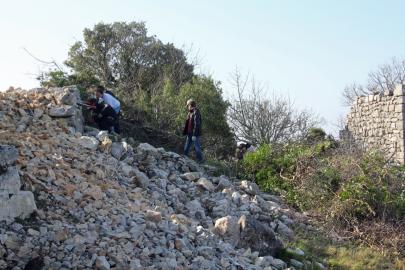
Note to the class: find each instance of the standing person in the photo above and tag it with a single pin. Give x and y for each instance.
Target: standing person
(112, 101)
(192, 130)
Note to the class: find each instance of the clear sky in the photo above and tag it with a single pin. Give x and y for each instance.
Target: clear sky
(308, 50)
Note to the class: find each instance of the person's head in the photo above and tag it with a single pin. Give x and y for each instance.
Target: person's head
(100, 91)
(191, 104)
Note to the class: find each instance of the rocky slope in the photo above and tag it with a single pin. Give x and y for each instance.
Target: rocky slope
(98, 204)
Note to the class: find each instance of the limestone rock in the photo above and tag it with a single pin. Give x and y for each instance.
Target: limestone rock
(95, 192)
(153, 216)
(278, 264)
(8, 155)
(223, 183)
(10, 181)
(205, 184)
(128, 170)
(21, 205)
(118, 149)
(249, 187)
(102, 263)
(67, 95)
(62, 111)
(88, 142)
(258, 236)
(145, 147)
(141, 179)
(190, 176)
(102, 135)
(228, 228)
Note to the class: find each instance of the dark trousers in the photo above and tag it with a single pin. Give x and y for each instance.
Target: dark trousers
(197, 147)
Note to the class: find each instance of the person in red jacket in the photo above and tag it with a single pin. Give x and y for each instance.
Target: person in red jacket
(192, 129)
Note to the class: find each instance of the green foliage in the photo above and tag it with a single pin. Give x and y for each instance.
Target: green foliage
(374, 191)
(58, 78)
(315, 134)
(348, 188)
(153, 80)
(123, 55)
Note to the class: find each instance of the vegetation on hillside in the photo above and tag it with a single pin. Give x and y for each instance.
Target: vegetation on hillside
(354, 194)
(152, 79)
(357, 194)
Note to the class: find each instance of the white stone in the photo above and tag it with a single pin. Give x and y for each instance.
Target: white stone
(88, 142)
(102, 135)
(249, 187)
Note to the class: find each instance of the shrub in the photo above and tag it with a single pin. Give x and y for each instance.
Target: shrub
(347, 187)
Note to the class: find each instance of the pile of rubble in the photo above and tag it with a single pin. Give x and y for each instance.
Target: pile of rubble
(101, 204)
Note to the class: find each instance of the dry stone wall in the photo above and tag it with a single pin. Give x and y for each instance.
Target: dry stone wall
(377, 122)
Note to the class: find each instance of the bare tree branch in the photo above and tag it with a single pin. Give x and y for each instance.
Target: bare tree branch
(259, 119)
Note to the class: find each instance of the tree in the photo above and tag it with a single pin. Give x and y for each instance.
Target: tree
(265, 120)
(122, 55)
(153, 81)
(384, 78)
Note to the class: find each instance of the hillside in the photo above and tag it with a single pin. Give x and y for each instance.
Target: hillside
(91, 203)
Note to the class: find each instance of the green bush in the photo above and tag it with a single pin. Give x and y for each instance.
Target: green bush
(345, 186)
(376, 190)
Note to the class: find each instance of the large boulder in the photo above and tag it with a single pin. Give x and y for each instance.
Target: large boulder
(62, 111)
(258, 236)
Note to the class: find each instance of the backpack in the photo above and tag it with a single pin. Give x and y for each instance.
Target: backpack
(112, 94)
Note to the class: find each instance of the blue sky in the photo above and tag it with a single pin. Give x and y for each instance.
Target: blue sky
(308, 50)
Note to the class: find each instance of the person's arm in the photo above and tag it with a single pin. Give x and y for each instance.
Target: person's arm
(197, 124)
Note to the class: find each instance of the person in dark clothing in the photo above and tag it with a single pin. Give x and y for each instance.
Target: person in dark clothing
(241, 150)
(103, 114)
(110, 99)
(192, 129)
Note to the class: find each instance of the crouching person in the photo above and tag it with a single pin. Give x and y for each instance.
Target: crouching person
(103, 114)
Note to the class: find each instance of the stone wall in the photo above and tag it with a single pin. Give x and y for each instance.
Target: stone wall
(377, 122)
